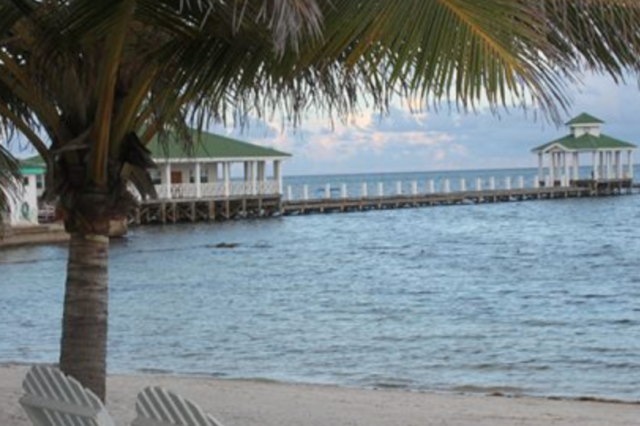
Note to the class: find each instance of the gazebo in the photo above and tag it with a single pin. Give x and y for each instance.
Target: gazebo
(611, 159)
(206, 169)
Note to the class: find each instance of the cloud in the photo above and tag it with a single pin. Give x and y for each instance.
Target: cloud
(422, 141)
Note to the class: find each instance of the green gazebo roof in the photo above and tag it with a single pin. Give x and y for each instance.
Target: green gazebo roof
(205, 145)
(584, 118)
(32, 166)
(209, 145)
(587, 142)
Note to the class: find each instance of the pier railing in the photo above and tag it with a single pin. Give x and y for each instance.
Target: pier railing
(217, 190)
(411, 188)
(415, 188)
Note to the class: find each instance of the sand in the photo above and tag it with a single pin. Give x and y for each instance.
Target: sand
(252, 403)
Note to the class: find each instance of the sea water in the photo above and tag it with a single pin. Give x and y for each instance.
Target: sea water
(537, 298)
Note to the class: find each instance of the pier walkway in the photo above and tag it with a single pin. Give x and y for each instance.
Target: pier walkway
(266, 205)
(328, 205)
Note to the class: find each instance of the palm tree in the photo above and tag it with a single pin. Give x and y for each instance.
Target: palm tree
(88, 84)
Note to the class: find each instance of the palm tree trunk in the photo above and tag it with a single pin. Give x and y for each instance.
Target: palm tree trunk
(83, 350)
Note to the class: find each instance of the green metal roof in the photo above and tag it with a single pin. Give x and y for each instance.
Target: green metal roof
(584, 118)
(209, 145)
(205, 145)
(587, 142)
(32, 166)
(32, 170)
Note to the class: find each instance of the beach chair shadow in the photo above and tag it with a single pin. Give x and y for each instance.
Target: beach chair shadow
(54, 399)
(157, 406)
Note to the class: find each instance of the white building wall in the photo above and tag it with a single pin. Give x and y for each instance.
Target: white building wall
(24, 208)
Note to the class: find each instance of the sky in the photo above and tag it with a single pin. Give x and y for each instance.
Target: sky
(432, 140)
(439, 140)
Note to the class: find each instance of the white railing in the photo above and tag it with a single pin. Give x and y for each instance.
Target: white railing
(415, 187)
(217, 190)
(209, 190)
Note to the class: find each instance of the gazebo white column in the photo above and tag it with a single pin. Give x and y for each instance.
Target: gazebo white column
(594, 160)
(576, 166)
(552, 169)
(166, 180)
(601, 165)
(630, 158)
(247, 172)
(262, 179)
(212, 173)
(277, 174)
(196, 178)
(609, 165)
(540, 167)
(252, 177)
(565, 174)
(226, 177)
(619, 174)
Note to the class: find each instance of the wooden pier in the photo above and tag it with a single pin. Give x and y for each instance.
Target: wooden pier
(259, 206)
(329, 205)
(212, 209)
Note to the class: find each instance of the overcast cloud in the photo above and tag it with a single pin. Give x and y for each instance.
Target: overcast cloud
(405, 141)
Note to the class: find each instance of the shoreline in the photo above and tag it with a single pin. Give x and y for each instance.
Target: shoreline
(240, 402)
(466, 390)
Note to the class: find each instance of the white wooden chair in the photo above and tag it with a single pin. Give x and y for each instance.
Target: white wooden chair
(54, 399)
(156, 406)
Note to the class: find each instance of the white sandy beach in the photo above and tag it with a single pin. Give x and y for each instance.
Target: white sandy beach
(249, 403)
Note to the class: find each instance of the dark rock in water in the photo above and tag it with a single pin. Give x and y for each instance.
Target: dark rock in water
(224, 245)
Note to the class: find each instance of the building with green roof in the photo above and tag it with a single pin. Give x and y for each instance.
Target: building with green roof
(207, 165)
(24, 207)
(559, 160)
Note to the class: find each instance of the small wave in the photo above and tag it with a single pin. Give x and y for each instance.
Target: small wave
(490, 390)
(544, 323)
(595, 399)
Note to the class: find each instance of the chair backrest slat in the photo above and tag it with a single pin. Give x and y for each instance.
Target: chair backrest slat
(54, 399)
(159, 407)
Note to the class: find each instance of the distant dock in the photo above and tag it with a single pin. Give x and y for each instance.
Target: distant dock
(344, 203)
(337, 199)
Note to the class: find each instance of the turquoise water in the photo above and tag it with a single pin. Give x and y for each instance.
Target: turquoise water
(538, 298)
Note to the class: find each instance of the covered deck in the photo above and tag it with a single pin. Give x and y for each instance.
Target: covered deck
(560, 162)
(216, 168)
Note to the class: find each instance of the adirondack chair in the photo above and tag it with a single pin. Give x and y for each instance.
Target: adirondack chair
(156, 406)
(54, 399)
